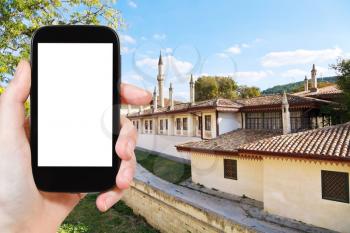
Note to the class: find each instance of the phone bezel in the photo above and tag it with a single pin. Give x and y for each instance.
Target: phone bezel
(74, 179)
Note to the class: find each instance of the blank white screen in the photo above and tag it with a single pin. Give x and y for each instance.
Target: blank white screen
(74, 92)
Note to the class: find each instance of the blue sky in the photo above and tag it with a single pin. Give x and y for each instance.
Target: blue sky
(260, 43)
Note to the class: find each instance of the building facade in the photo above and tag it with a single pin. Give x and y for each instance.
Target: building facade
(211, 118)
(302, 176)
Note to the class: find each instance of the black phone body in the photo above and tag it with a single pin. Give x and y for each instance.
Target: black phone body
(74, 96)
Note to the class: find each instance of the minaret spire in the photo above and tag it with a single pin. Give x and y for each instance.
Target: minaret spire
(160, 79)
(155, 104)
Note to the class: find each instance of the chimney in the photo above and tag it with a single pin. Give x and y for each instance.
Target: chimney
(129, 109)
(191, 90)
(285, 114)
(313, 79)
(171, 100)
(306, 84)
(141, 108)
(155, 104)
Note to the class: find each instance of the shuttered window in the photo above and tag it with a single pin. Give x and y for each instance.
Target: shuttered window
(335, 186)
(230, 169)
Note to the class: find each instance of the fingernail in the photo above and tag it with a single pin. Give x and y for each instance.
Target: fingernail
(130, 148)
(107, 204)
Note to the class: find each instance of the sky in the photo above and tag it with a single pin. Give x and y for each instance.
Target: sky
(257, 43)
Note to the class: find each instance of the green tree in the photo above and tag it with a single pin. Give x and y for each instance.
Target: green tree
(248, 92)
(343, 69)
(206, 88)
(209, 87)
(20, 18)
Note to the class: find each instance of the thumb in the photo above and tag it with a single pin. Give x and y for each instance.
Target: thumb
(12, 100)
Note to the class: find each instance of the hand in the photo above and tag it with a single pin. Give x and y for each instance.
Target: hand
(23, 208)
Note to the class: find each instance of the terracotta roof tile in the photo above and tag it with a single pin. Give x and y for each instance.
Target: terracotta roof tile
(277, 100)
(228, 142)
(333, 89)
(329, 142)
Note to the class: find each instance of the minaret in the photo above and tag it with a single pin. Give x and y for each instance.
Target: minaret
(306, 84)
(313, 79)
(285, 114)
(171, 100)
(155, 105)
(191, 90)
(160, 79)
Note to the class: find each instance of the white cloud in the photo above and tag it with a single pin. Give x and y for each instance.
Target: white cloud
(251, 76)
(143, 38)
(222, 55)
(132, 4)
(245, 45)
(234, 49)
(126, 39)
(294, 73)
(168, 50)
(161, 36)
(125, 50)
(177, 65)
(299, 56)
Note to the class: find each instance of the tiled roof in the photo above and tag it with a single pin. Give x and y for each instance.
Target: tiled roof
(228, 142)
(261, 102)
(326, 143)
(224, 104)
(270, 100)
(329, 90)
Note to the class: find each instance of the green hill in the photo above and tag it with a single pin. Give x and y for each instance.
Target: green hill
(298, 86)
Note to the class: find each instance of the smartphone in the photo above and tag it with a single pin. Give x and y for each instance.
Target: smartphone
(75, 108)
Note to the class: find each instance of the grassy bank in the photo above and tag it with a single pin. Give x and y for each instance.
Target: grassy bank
(120, 218)
(166, 169)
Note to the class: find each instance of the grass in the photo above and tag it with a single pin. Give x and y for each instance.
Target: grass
(166, 169)
(85, 218)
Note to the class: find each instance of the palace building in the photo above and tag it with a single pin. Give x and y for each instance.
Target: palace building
(302, 176)
(211, 118)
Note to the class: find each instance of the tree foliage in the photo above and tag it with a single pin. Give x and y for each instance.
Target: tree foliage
(209, 87)
(20, 18)
(248, 92)
(343, 69)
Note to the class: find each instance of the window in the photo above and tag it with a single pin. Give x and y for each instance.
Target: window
(137, 124)
(150, 124)
(184, 123)
(296, 120)
(207, 122)
(200, 123)
(264, 120)
(166, 124)
(178, 123)
(146, 125)
(335, 186)
(230, 169)
(161, 125)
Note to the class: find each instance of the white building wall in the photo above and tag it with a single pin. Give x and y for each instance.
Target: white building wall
(208, 170)
(229, 121)
(292, 188)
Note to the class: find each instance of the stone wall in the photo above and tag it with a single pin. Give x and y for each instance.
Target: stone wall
(172, 214)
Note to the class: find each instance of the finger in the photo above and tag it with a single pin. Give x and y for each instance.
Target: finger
(27, 127)
(127, 139)
(131, 94)
(107, 199)
(12, 100)
(18, 90)
(126, 173)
